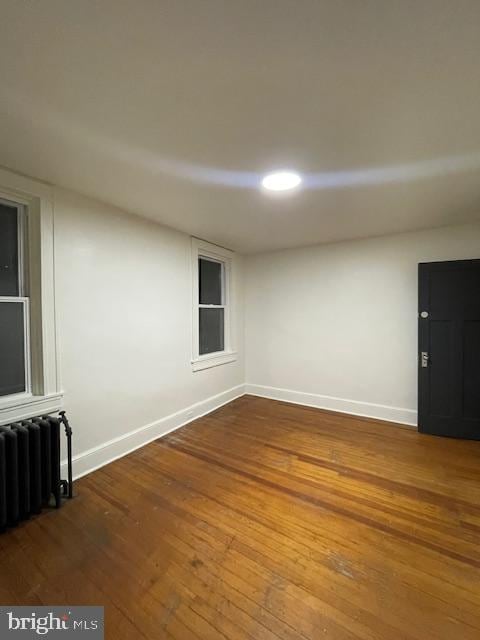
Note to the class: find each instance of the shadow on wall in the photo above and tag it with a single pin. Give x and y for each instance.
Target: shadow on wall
(47, 118)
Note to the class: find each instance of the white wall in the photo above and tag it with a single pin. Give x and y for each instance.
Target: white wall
(335, 326)
(123, 302)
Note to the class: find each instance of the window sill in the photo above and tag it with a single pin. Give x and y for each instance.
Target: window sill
(26, 405)
(213, 360)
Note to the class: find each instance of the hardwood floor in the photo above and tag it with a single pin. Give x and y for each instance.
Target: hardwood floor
(262, 521)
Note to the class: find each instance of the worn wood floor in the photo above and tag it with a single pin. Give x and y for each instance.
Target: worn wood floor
(266, 520)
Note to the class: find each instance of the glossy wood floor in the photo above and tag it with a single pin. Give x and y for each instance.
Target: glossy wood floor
(264, 521)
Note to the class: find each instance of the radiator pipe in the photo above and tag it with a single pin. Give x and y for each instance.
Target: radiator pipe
(68, 433)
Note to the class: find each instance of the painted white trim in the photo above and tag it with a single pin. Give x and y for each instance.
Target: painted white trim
(37, 198)
(213, 360)
(364, 409)
(103, 454)
(24, 405)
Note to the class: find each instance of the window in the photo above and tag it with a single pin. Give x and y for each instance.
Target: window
(14, 303)
(212, 295)
(211, 285)
(29, 374)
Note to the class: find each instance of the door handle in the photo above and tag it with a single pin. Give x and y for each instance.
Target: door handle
(424, 358)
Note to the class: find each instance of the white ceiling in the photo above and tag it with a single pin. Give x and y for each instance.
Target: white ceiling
(174, 109)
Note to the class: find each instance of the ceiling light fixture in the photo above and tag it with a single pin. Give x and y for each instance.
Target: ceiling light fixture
(281, 181)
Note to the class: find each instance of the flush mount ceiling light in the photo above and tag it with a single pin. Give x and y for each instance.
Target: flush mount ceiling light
(281, 181)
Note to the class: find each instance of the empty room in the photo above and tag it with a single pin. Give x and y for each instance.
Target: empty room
(240, 319)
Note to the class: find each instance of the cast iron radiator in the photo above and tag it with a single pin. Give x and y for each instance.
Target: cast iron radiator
(30, 467)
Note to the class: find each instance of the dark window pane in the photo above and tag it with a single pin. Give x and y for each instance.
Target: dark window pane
(12, 348)
(210, 281)
(211, 330)
(8, 251)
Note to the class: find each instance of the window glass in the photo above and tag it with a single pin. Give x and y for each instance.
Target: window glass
(12, 348)
(9, 282)
(210, 281)
(211, 325)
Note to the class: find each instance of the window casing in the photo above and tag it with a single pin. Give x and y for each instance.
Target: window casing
(27, 302)
(212, 305)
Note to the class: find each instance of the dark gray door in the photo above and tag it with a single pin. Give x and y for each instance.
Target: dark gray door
(449, 349)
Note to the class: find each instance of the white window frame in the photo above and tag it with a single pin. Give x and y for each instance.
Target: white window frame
(43, 393)
(21, 297)
(202, 249)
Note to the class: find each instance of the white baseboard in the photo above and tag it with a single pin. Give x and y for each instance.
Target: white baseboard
(364, 409)
(97, 457)
(92, 459)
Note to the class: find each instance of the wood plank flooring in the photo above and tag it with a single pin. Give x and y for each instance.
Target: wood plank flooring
(267, 521)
